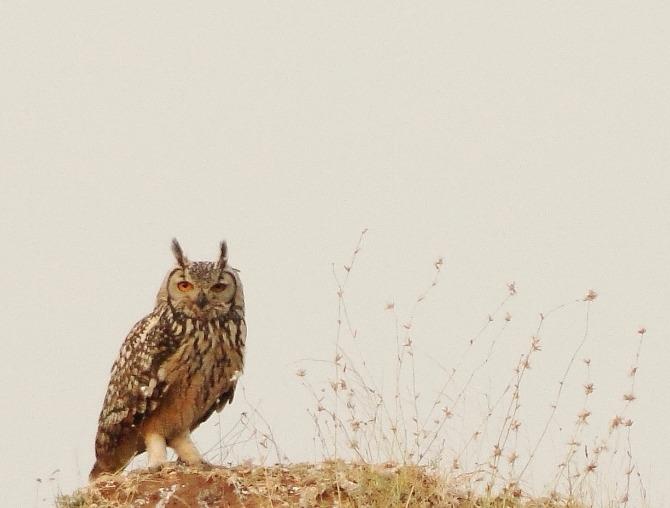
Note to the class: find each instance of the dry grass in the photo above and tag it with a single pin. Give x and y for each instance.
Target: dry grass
(358, 417)
(303, 485)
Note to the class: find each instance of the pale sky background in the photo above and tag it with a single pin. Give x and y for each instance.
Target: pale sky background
(522, 141)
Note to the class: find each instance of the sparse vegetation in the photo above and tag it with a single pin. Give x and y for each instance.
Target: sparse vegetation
(389, 445)
(302, 485)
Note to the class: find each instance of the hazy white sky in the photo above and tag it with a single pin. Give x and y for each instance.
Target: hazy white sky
(522, 141)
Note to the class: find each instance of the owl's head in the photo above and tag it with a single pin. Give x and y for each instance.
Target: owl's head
(202, 289)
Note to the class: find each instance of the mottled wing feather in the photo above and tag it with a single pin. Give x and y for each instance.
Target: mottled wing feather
(136, 384)
(223, 399)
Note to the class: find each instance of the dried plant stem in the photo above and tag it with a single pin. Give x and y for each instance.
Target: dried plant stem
(490, 318)
(513, 407)
(443, 390)
(561, 385)
(573, 443)
(341, 309)
(620, 419)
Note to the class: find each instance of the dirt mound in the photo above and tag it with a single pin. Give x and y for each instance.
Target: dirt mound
(303, 485)
(297, 485)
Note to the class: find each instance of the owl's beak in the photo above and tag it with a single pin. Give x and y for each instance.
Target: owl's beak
(201, 300)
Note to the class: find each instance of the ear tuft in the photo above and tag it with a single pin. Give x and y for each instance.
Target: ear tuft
(223, 257)
(182, 260)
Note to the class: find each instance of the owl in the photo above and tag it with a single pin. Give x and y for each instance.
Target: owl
(176, 366)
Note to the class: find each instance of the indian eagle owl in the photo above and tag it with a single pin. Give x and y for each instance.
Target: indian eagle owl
(176, 366)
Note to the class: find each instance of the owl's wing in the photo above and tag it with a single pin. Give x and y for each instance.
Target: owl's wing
(223, 399)
(137, 381)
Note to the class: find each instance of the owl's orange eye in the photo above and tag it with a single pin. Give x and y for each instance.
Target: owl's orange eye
(184, 285)
(219, 286)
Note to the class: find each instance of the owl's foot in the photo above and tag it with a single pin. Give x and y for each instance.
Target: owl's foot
(156, 450)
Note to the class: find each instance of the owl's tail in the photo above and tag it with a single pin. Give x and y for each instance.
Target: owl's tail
(98, 469)
(114, 460)
(111, 465)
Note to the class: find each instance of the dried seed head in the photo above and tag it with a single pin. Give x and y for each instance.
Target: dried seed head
(642, 330)
(583, 415)
(508, 317)
(535, 344)
(629, 397)
(301, 372)
(511, 288)
(514, 489)
(590, 295)
(588, 388)
(616, 422)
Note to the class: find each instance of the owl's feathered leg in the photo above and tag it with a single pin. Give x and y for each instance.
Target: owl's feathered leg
(156, 449)
(186, 449)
